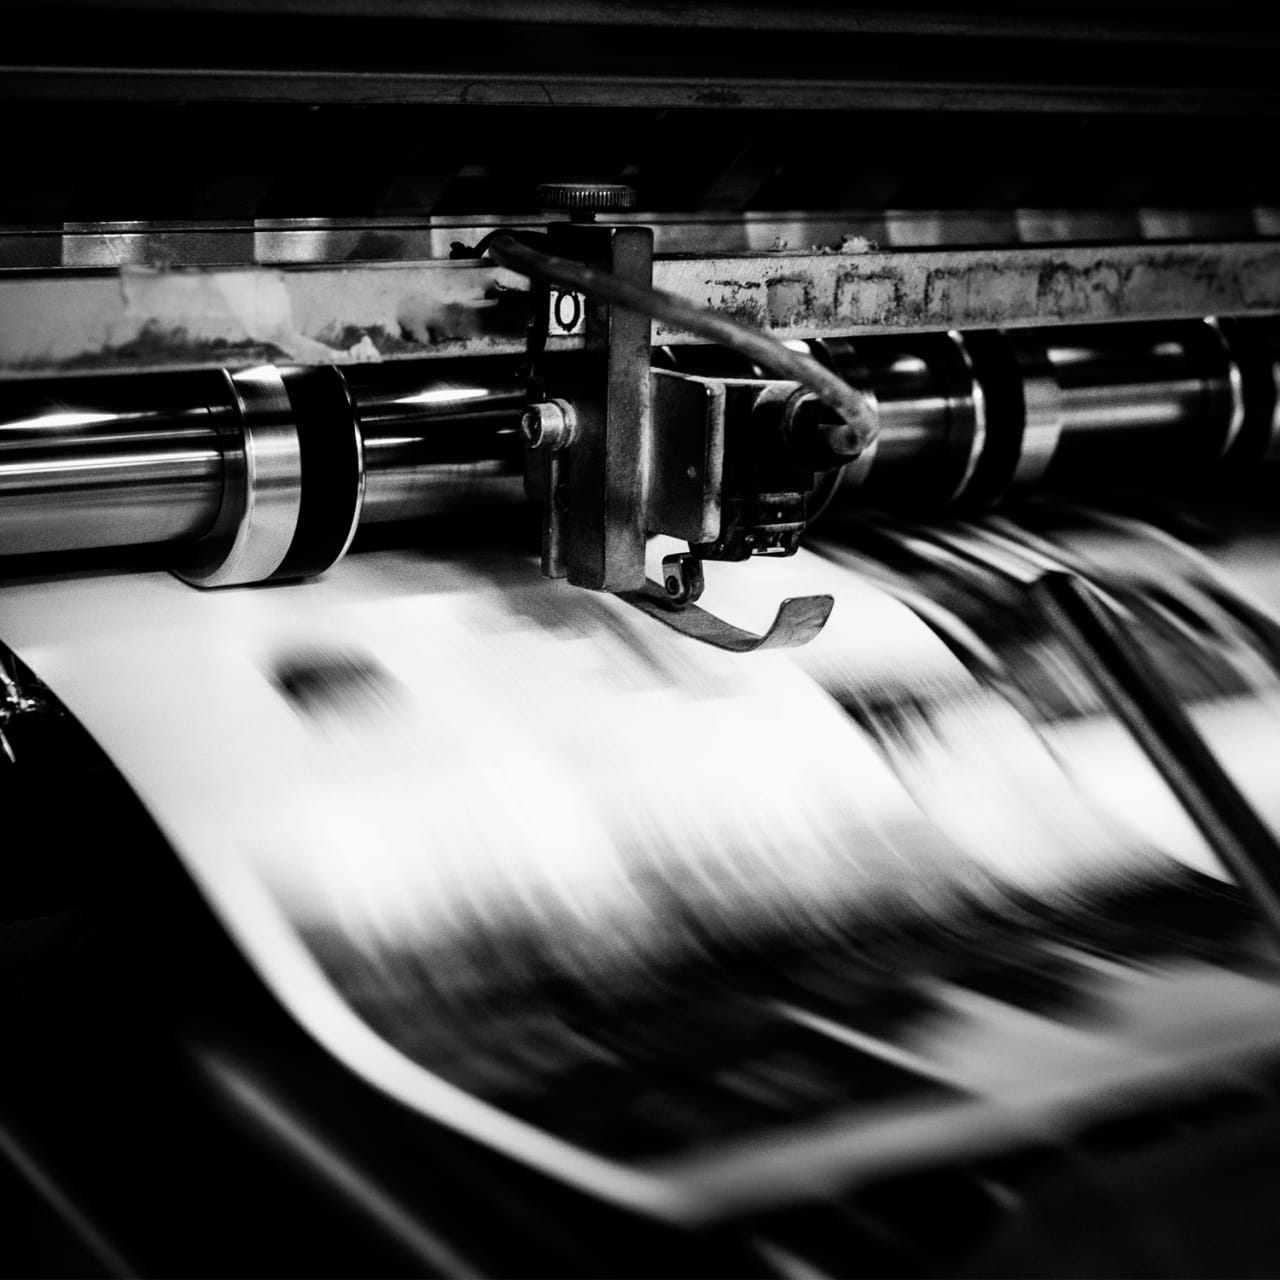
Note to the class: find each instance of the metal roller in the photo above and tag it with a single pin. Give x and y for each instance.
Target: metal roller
(260, 475)
(261, 489)
(933, 420)
(267, 474)
(433, 446)
(111, 461)
(1065, 409)
(1134, 404)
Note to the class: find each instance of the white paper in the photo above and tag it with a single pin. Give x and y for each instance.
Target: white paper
(415, 751)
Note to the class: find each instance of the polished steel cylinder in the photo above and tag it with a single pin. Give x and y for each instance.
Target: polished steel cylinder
(969, 419)
(1141, 403)
(129, 460)
(126, 461)
(932, 416)
(100, 462)
(258, 516)
(437, 445)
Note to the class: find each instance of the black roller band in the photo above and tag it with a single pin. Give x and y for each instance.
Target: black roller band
(998, 372)
(332, 471)
(1255, 354)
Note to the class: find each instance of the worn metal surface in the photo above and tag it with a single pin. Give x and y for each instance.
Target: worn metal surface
(138, 318)
(434, 88)
(611, 456)
(688, 456)
(810, 295)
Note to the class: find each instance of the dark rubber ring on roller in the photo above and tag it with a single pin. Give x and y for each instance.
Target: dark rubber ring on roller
(1256, 440)
(332, 457)
(996, 369)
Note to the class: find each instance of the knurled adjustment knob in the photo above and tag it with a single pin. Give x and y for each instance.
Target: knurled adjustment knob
(586, 198)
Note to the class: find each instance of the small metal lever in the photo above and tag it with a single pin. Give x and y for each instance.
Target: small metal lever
(798, 620)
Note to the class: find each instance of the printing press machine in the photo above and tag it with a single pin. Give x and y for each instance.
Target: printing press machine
(639, 640)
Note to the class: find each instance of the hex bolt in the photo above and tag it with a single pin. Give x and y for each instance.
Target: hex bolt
(548, 424)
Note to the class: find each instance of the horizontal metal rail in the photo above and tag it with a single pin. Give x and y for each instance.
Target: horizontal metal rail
(139, 318)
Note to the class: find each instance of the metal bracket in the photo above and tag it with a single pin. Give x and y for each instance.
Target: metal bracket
(609, 470)
(595, 502)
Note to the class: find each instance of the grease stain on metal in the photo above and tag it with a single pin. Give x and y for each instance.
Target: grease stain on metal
(790, 298)
(718, 98)
(371, 342)
(1095, 291)
(431, 323)
(1260, 287)
(159, 345)
(984, 293)
(869, 297)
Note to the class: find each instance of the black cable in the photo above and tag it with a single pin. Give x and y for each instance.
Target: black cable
(856, 410)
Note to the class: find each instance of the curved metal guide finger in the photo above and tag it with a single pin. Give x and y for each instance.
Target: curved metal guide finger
(798, 620)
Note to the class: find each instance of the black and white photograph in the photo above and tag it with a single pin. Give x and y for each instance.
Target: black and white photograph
(639, 639)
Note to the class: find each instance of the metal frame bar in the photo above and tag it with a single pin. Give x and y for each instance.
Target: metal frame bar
(138, 318)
